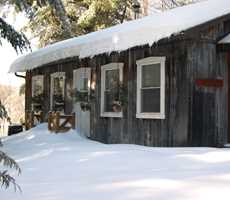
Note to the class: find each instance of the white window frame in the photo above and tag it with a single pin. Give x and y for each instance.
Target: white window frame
(34, 79)
(140, 64)
(56, 75)
(104, 68)
(85, 72)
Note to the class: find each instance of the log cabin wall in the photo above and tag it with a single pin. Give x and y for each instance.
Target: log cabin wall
(208, 105)
(195, 116)
(171, 131)
(208, 116)
(63, 66)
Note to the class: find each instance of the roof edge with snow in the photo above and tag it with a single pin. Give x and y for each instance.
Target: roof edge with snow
(225, 40)
(147, 30)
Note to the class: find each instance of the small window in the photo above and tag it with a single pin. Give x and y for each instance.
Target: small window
(111, 78)
(37, 85)
(37, 92)
(57, 91)
(151, 88)
(82, 84)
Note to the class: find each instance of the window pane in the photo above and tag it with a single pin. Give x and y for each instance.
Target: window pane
(150, 100)
(111, 96)
(58, 96)
(58, 86)
(151, 75)
(85, 84)
(111, 93)
(111, 79)
(108, 102)
(38, 86)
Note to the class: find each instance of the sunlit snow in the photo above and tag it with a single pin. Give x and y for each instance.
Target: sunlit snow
(70, 167)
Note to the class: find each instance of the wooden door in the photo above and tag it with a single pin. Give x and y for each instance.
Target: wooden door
(81, 84)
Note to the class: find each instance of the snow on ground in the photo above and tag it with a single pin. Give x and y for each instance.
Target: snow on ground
(69, 167)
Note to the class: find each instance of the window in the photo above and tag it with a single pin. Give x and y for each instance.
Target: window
(111, 78)
(82, 84)
(37, 92)
(151, 88)
(37, 85)
(57, 91)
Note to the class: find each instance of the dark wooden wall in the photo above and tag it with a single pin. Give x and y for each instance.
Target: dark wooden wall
(169, 132)
(66, 66)
(195, 116)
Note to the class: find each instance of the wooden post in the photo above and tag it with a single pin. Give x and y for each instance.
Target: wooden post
(26, 120)
(41, 117)
(229, 97)
(50, 116)
(32, 119)
(29, 120)
(73, 121)
(56, 122)
(28, 91)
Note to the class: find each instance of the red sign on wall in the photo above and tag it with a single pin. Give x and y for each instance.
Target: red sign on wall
(216, 83)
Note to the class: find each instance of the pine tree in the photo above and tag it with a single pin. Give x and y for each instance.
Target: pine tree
(5, 178)
(20, 43)
(3, 115)
(18, 40)
(55, 20)
(3, 112)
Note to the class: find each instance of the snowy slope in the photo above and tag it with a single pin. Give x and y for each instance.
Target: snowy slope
(147, 30)
(68, 167)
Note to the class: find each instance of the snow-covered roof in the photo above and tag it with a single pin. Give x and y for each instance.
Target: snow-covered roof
(225, 40)
(147, 30)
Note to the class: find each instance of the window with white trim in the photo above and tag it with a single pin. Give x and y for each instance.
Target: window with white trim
(151, 88)
(37, 92)
(111, 78)
(57, 91)
(37, 85)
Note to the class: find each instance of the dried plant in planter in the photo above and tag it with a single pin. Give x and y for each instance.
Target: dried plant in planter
(59, 102)
(37, 102)
(84, 98)
(117, 106)
(85, 106)
(120, 102)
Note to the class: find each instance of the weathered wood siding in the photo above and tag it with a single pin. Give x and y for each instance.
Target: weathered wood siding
(208, 105)
(195, 116)
(169, 132)
(46, 71)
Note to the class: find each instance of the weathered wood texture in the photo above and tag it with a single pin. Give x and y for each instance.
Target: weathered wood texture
(28, 91)
(65, 66)
(195, 116)
(60, 123)
(32, 118)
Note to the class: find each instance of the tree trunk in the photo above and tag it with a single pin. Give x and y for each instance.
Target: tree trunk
(58, 7)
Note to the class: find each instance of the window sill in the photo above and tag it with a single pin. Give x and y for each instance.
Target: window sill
(112, 114)
(150, 116)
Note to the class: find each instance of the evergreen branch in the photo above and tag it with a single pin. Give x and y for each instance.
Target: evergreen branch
(16, 39)
(9, 162)
(6, 180)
